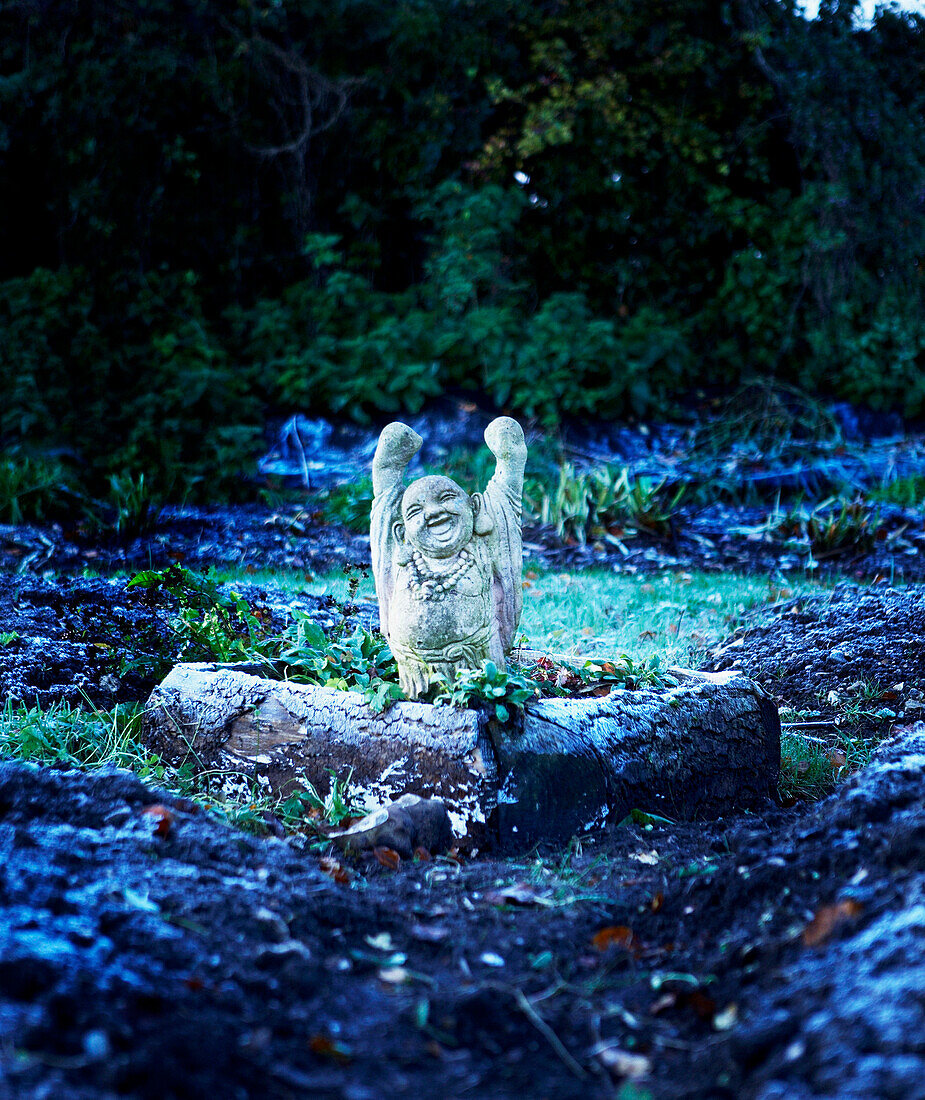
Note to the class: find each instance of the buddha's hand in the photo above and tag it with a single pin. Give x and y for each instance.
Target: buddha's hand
(505, 439)
(398, 444)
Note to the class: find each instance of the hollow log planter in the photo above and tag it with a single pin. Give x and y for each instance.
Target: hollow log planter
(697, 750)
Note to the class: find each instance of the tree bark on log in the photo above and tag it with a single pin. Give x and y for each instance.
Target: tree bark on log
(708, 745)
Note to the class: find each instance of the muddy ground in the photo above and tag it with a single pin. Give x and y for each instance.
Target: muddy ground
(149, 950)
(152, 952)
(777, 955)
(717, 537)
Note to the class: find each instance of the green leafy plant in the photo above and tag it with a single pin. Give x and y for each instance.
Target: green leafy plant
(832, 527)
(604, 501)
(360, 661)
(501, 692)
(131, 509)
(557, 677)
(211, 624)
(35, 488)
(333, 808)
(215, 624)
(624, 673)
(349, 504)
(644, 502)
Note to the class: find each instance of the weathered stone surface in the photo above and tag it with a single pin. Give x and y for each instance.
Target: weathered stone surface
(408, 823)
(695, 750)
(447, 563)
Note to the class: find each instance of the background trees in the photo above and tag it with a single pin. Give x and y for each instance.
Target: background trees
(573, 209)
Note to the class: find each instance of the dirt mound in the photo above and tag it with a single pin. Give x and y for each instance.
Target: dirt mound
(856, 646)
(149, 950)
(89, 640)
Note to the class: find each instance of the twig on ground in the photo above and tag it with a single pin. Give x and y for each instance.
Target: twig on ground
(548, 1034)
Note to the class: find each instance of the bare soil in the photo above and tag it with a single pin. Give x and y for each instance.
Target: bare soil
(149, 950)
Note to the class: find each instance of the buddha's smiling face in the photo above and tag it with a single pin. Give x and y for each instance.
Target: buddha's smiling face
(438, 516)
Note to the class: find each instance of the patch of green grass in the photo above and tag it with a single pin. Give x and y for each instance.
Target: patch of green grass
(598, 613)
(593, 612)
(907, 492)
(352, 583)
(93, 738)
(811, 767)
(77, 737)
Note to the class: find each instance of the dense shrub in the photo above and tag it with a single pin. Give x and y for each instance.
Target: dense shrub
(135, 379)
(568, 209)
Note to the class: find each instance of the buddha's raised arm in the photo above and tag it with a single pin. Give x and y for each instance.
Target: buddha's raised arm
(398, 444)
(505, 439)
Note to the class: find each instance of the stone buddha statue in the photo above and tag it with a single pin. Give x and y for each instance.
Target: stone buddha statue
(447, 563)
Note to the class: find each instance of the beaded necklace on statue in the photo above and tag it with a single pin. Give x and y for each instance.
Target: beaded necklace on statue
(427, 585)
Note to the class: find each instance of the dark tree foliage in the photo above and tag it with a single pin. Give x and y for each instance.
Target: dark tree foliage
(570, 208)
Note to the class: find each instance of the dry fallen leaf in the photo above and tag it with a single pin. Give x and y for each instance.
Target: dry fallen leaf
(663, 1003)
(161, 817)
(422, 854)
(429, 933)
(326, 1047)
(394, 975)
(649, 858)
(704, 1007)
(828, 918)
(615, 935)
(656, 903)
(388, 857)
(336, 870)
(727, 1019)
(622, 1064)
(518, 893)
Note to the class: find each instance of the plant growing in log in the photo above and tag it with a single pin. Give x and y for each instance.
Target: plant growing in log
(490, 688)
